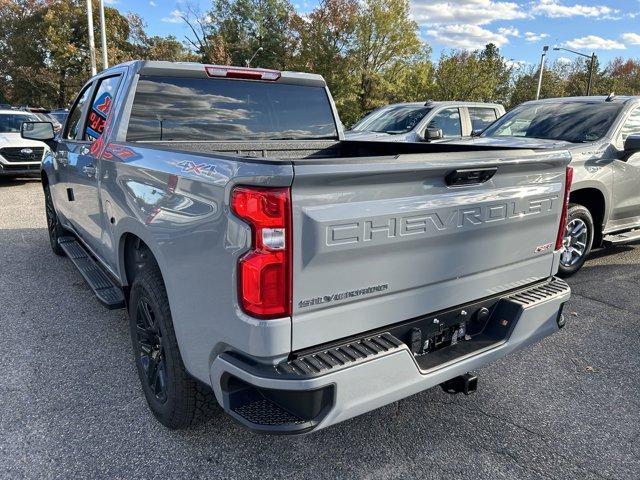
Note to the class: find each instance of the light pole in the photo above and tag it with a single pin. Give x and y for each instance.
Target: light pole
(545, 49)
(92, 46)
(248, 62)
(593, 61)
(103, 35)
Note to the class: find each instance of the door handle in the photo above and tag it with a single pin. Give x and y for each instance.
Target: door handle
(63, 158)
(469, 176)
(90, 170)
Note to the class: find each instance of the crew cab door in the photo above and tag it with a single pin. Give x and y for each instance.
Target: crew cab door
(83, 168)
(66, 151)
(626, 182)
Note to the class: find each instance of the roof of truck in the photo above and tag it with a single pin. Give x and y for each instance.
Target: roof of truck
(589, 99)
(198, 70)
(14, 112)
(439, 103)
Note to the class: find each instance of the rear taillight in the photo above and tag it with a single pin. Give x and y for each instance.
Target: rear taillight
(264, 273)
(565, 207)
(241, 72)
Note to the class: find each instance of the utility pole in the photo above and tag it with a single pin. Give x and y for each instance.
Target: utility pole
(92, 46)
(593, 61)
(545, 49)
(103, 34)
(592, 64)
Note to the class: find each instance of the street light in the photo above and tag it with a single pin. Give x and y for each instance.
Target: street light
(545, 49)
(593, 61)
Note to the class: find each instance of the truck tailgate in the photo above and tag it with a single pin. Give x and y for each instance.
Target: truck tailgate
(380, 240)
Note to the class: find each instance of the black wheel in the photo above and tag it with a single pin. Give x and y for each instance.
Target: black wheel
(53, 224)
(174, 397)
(578, 240)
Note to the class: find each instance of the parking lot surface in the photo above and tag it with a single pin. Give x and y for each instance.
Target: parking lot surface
(71, 405)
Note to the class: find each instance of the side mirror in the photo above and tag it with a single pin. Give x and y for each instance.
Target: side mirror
(476, 133)
(632, 144)
(433, 134)
(42, 131)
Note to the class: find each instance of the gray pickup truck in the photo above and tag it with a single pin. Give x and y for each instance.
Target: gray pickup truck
(298, 278)
(602, 134)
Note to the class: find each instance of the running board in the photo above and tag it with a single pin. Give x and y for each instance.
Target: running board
(108, 293)
(622, 238)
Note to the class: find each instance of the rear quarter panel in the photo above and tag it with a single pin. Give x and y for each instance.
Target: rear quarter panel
(177, 203)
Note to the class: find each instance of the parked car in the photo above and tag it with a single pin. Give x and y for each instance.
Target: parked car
(430, 121)
(60, 115)
(603, 136)
(299, 278)
(18, 157)
(44, 115)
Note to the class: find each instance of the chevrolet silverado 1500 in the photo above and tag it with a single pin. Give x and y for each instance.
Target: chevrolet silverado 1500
(298, 278)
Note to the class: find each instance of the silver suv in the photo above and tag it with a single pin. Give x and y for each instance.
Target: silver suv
(430, 121)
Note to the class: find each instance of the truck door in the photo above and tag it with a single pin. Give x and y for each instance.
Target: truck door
(449, 121)
(83, 170)
(68, 146)
(626, 182)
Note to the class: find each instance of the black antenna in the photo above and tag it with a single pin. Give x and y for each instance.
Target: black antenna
(610, 97)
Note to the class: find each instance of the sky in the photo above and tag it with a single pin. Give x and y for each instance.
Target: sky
(610, 28)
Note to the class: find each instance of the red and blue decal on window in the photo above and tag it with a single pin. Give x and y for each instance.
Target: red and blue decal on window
(98, 115)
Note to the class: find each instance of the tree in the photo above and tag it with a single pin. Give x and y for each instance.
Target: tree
(624, 76)
(235, 30)
(23, 52)
(482, 75)
(385, 35)
(524, 89)
(326, 42)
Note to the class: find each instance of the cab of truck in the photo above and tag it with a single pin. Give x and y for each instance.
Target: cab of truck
(425, 121)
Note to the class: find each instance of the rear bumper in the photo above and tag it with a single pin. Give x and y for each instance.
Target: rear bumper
(334, 383)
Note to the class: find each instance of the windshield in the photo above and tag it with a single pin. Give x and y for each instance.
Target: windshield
(394, 119)
(11, 122)
(574, 122)
(175, 108)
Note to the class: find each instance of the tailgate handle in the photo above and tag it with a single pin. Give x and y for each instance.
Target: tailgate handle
(469, 176)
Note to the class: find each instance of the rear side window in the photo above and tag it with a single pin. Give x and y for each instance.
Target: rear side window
(100, 107)
(174, 108)
(481, 117)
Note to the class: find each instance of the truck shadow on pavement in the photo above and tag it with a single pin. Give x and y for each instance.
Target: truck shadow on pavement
(70, 397)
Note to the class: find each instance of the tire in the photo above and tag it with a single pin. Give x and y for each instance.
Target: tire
(174, 397)
(578, 240)
(53, 224)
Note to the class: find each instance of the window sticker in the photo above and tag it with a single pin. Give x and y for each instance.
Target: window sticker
(98, 115)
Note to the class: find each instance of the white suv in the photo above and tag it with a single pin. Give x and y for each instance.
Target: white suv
(18, 157)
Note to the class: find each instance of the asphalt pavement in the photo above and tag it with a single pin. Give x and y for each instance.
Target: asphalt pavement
(71, 405)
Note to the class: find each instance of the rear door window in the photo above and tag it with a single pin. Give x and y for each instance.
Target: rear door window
(176, 108)
(448, 120)
(100, 107)
(481, 117)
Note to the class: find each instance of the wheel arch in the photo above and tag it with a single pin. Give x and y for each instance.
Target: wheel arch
(594, 200)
